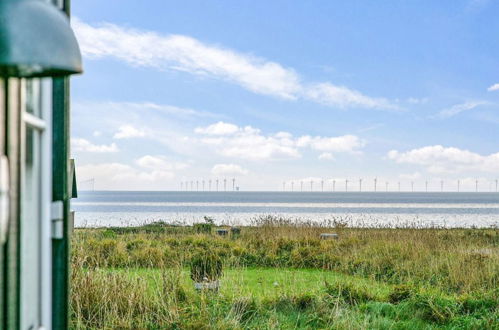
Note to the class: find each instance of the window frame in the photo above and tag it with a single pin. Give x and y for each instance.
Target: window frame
(39, 121)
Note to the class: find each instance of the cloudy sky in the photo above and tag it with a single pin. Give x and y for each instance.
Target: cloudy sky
(286, 91)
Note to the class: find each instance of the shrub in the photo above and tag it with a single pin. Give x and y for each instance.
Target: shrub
(172, 287)
(108, 233)
(206, 266)
(304, 301)
(400, 293)
(351, 293)
(209, 220)
(244, 308)
(380, 309)
(135, 244)
(479, 305)
(203, 228)
(435, 309)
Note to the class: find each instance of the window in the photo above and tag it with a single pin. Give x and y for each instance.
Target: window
(35, 204)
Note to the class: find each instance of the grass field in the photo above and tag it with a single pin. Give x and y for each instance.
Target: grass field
(280, 275)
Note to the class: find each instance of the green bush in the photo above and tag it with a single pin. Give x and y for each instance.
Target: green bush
(244, 308)
(206, 266)
(479, 305)
(400, 293)
(304, 301)
(135, 244)
(435, 308)
(350, 293)
(203, 228)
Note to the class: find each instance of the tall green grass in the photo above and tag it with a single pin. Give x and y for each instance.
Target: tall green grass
(376, 278)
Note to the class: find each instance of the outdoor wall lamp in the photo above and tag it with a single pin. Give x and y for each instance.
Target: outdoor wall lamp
(36, 40)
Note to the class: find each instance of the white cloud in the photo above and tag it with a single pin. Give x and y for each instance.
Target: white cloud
(159, 163)
(414, 100)
(326, 156)
(122, 176)
(78, 144)
(410, 176)
(162, 124)
(110, 106)
(343, 97)
(345, 143)
(439, 159)
(250, 143)
(228, 170)
(458, 108)
(494, 87)
(127, 132)
(219, 128)
(183, 53)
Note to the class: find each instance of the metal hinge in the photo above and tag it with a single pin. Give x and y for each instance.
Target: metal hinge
(57, 216)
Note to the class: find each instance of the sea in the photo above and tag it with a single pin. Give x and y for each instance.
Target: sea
(359, 209)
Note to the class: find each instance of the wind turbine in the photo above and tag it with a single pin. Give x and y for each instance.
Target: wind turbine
(441, 185)
(181, 185)
(458, 185)
(375, 183)
(412, 186)
(292, 186)
(203, 185)
(346, 185)
(284, 186)
(386, 186)
(301, 186)
(360, 185)
(311, 185)
(426, 185)
(197, 185)
(209, 185)
(322, 185)
(399, 186)
(225, 184)
(334, 185)
(476, 185)
(217, 184)
(233, 184)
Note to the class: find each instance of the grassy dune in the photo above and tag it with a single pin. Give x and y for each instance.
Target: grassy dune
(279, 274)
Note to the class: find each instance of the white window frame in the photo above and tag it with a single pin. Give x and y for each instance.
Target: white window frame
(42, 124)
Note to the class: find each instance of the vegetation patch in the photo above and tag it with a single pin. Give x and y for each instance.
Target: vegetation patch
(280, 274)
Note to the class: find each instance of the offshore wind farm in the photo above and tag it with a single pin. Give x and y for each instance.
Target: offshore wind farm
(361, 202)
(364, 208)
(329, 185)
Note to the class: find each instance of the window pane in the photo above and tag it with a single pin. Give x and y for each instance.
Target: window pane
(33, 97)
(30, 230)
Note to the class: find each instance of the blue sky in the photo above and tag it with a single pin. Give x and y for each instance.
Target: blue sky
(286, 91)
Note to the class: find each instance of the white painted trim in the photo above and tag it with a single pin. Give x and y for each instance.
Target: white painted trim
(34, 121)
(43, 126)
(46, 201)
(4, 198)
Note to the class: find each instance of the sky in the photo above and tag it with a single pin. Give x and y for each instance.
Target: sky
(275, 93)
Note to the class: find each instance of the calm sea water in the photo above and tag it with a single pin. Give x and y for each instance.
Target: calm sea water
(125, 208)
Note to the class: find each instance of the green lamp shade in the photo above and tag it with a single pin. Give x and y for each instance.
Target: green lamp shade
(36, 40)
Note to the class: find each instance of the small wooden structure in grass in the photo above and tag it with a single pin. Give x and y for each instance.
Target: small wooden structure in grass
(222, 232)
(235, 232)
(329, 236)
